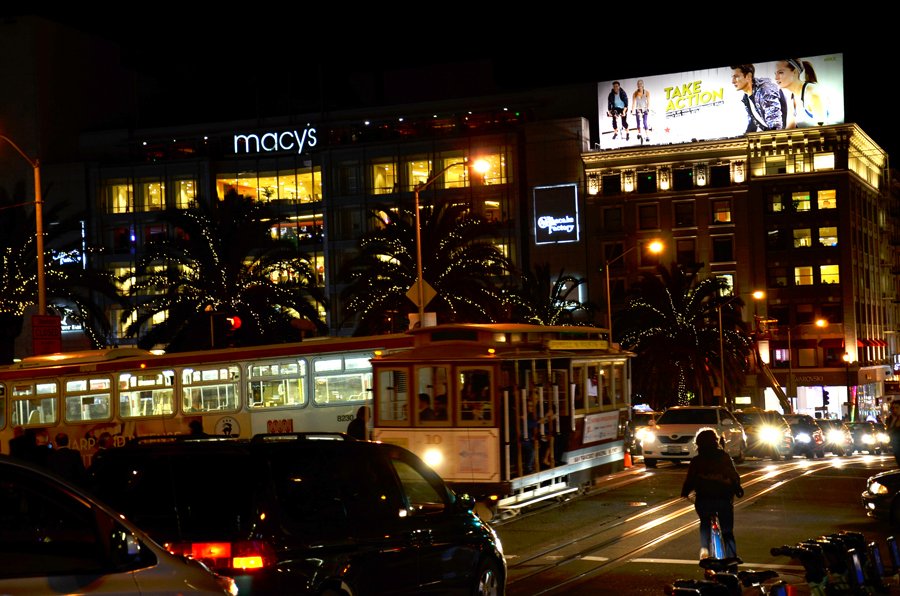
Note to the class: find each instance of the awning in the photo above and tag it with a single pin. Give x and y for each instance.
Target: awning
(832, 342)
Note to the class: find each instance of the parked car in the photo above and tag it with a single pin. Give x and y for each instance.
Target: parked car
(306, 514)
(672, 437)
(865, 437)
(838, 438)
(882, 496)
(768, 433)
(640, 422)
(57, 539)
(809, 440)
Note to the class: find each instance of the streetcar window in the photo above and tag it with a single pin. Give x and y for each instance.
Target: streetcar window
(33, 411)
(334, 383)
(87, 399)
(393, 396)
(210, 389)
(146, 393)
(2, 405)
(276, 384)
(476, 406)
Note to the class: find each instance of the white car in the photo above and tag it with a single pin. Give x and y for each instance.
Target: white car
(672, 437)
(56, 539)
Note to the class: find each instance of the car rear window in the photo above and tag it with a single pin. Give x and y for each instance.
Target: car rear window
(188, 495)
(688, 417)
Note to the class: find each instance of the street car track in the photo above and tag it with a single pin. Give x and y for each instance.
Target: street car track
(612, 544)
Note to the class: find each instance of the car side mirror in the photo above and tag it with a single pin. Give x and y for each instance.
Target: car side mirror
(727, 422)
(124, 547)
(465, 502)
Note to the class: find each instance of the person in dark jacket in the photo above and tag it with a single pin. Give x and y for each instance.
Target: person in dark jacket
(66, 462)
(358, 427)
(714, 480)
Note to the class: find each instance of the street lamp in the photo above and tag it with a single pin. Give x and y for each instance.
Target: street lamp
(654, 247)
(480, 166)
(39, 225)
(852, 407)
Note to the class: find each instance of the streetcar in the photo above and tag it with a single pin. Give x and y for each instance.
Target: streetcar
(510, 413)
(104, 398)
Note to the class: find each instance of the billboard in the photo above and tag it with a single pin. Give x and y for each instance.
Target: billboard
(721, 102)
(556, 214)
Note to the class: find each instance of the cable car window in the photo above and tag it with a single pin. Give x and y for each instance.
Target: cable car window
(393, 397)
(476, 407)
(431, 392)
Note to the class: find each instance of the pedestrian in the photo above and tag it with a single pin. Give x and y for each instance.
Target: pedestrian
(892, 424)
(67, 462)
(712, 477)
(358, 427)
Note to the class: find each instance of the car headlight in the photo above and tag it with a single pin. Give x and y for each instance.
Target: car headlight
(642, 434)
(835, 436)
(770, 435)
(876, 488)
(883, 438)
(803, 437)
(868, 439)
(647, 436)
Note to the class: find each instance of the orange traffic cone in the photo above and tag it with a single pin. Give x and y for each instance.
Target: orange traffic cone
(628, 463)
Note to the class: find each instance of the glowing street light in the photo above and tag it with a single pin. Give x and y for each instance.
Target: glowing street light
(654, 247)
(39, 225)
(480, 166)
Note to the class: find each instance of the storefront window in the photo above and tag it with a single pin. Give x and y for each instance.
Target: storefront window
(457, 176)
(497, 173)
(302, 185)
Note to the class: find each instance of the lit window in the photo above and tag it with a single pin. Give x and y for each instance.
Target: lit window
(418, 172)
(120, 197)
(185, 194)
(775, 203)
(828, 236)
(153, 196)
(384, 178)
(722, 211)
(827, 199)
(803, 276)
(802, 237)
(800, 201)
(829, 274)
(823, 161)
(776, 165)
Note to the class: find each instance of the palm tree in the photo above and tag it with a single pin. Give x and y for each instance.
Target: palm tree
(72, 286)
(558, 306)
(458, 260)
(224, 262)
(672, 323)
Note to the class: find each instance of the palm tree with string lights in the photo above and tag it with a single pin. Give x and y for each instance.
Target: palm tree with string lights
(558, 306)
(222, 262)
(672, 323)
(460, 261)
(76, 291)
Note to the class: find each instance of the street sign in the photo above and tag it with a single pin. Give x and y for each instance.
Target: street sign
(428, 293)
(46, 334)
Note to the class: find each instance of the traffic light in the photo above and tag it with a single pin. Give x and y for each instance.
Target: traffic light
(824, 397)
(233, 323)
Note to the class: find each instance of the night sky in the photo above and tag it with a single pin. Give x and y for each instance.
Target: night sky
(270, 62)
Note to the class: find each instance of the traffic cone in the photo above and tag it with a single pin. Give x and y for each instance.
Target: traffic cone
(627, 462)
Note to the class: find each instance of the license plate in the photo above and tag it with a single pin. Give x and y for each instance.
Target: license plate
(671, 449)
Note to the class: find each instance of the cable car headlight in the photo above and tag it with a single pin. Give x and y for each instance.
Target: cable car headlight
(803, 438)
(433, 457)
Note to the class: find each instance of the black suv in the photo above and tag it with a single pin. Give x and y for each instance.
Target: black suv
(305, 514)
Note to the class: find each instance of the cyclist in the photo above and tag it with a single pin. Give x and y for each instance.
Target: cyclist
(713, 478)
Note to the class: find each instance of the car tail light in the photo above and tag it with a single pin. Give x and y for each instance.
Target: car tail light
(240, 555)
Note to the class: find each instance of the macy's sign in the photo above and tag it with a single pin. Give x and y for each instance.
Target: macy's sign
(288, 140)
